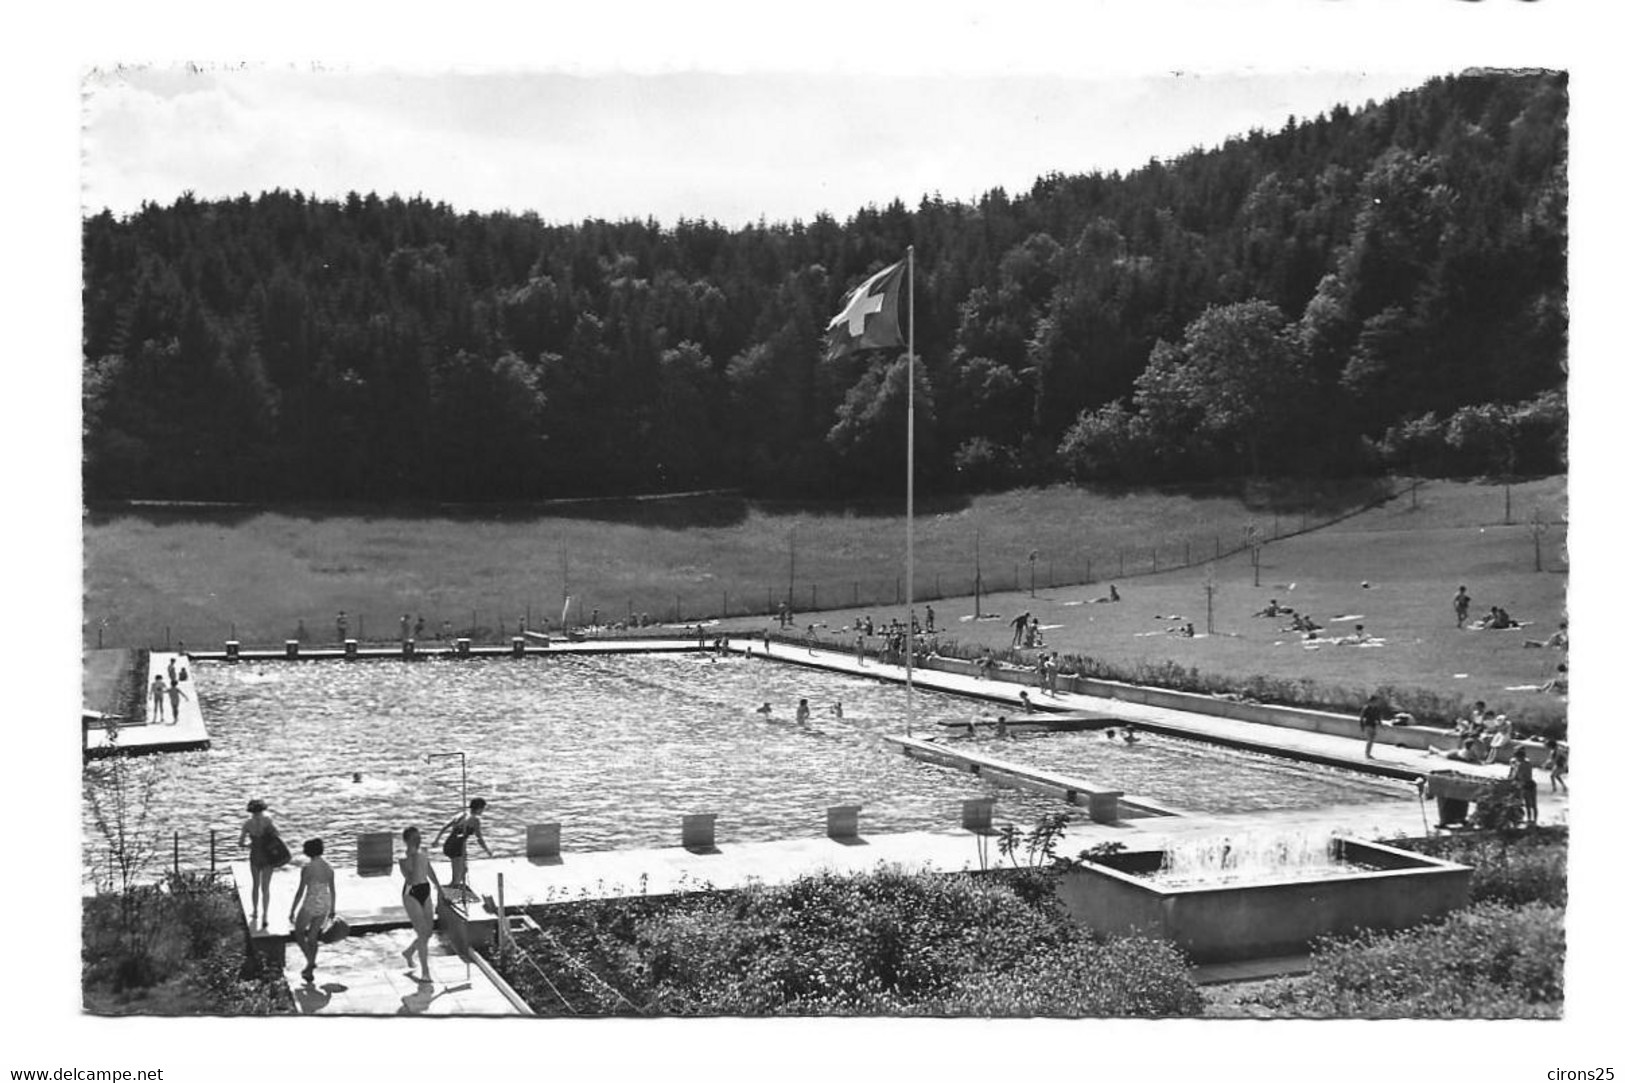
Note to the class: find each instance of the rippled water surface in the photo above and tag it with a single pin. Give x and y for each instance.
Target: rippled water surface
(617, 749)
(1200, 777)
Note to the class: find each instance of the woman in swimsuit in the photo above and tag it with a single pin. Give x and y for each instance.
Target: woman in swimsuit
(458, 830)
(415, 893)
(313, 903)
(257, 829)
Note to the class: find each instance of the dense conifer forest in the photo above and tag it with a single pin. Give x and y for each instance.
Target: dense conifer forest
(1370, 290)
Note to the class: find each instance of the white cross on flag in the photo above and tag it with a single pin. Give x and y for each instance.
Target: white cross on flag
(870, 317)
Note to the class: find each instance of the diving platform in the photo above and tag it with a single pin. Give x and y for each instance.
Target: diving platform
(1048, 722)
(1105, 804)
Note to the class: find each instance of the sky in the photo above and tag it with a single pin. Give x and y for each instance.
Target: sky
(732, 110)
(730, 147)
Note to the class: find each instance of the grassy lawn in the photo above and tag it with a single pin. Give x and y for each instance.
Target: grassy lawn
(201, 577)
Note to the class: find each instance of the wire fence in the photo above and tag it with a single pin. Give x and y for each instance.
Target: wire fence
(605, 611)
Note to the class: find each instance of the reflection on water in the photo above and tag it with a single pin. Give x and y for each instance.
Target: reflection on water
(616, 750)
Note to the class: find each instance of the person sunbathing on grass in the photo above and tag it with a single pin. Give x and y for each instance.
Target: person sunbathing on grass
(1558, 639)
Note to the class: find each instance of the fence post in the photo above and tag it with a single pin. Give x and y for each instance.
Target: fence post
(211, 851)
(502, 915)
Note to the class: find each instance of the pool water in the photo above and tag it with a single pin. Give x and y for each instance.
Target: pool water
(1184, 774)
(617, 749)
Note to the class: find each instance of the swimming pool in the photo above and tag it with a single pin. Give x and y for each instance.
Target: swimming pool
(1186, 774)
(616, 749)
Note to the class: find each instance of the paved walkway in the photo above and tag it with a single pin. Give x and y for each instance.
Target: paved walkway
(1389, 759)
(365, 975)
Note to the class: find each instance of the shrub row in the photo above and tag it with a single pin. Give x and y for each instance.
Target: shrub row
(1512, 868)
(881, 943)
(189, 927)
(1488, 961)
(1537, 718)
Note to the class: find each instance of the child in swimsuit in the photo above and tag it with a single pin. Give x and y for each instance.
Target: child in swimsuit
(417, 874)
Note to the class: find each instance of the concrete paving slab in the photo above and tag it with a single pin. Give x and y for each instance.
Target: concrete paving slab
(366, 975)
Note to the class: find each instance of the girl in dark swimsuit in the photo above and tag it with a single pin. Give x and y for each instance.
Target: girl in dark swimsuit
(418, 874)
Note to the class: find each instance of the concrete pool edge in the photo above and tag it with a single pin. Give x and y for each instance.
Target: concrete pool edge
(1399, 761)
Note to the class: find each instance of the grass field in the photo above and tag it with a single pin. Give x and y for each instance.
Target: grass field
(163, 575)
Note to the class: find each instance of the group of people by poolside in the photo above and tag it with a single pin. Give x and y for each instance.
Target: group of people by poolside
(315, 900)
(178, 674)
(1480, 739)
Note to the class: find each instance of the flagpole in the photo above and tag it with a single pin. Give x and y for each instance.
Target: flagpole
(909, 676)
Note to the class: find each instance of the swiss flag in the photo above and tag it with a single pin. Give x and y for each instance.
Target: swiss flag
(871, 315)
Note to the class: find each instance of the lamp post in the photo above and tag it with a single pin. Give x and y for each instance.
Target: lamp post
(462, 759)
(1032, 574)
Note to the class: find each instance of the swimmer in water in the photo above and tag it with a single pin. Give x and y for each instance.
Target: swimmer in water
(765, 710)
(1128, 735)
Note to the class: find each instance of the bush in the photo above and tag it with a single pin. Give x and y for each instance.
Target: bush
(1528, 866)
(1535, 719)
(1489, 961)
(186, 928)
(1130, 976)
(882, 943)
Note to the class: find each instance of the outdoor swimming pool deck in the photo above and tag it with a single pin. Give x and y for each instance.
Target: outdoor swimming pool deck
(364, 974)
(185, 733)
(370, 978)
(1390, 760)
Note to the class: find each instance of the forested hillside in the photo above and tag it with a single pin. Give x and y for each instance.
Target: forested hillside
(1372, 289)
